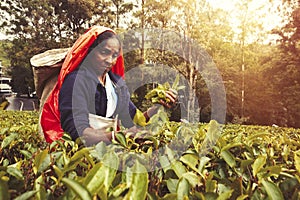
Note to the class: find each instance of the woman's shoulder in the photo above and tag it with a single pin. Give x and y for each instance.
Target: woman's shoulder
(81, 72)
(116, 78)
(80, 76)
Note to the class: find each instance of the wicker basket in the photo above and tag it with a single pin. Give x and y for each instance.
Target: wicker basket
(46, 67)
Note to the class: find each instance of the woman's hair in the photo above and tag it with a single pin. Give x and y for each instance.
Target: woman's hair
(102, 39)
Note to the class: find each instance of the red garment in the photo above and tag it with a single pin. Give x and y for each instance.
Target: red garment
(50, 117)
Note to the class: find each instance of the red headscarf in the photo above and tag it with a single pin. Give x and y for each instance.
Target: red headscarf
(50, 118)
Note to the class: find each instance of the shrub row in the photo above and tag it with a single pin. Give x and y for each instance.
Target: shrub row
(168, 160)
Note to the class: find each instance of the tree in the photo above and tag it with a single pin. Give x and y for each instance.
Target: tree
(289, 33)
(39, 25)
(121, 9)
(191, 25)
(282, 67)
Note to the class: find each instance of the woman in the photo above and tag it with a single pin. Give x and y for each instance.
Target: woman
(90, 83)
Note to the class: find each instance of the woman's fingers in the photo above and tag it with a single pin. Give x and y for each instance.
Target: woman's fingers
(171, 95)
(165, 104)
(173, 91)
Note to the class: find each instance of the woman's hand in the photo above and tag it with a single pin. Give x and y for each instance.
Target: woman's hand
(93, 136)
(171, 95)
(169, 101)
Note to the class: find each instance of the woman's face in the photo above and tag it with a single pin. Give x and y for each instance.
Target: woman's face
(102, 58)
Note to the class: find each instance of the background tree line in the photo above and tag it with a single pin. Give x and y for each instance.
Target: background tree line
(261, 79)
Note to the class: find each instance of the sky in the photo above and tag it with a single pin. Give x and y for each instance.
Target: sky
(2, 36)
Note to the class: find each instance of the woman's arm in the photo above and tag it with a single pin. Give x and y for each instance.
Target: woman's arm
(171, 95)
(150, 112)
(73, 106)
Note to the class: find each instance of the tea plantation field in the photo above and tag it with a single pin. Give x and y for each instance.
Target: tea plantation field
(166, 160)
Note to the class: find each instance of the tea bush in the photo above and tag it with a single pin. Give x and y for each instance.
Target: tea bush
(168, 160)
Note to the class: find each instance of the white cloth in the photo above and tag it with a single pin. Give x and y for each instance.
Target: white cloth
(111, 97)
(98, 122)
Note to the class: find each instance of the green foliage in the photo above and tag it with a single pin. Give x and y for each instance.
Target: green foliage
(159, 93)
(281, 65)
(37, 26)
(3, 57)
(122, 8)
(3, 104)
(220, 162)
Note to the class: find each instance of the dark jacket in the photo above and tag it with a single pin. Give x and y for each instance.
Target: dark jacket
(82, 93)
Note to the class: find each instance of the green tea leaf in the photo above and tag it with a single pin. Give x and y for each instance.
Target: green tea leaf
(285, 152)
(58, 172)
(210, 196)
(77, 158)
(164, 162)
(272, 170)
(39, 187)
(192, 178)
(242, 197)
(176, 82)
(4, 194)
(213, 131)
(7, 140)
(170, 196)
(118, 190)
(26, 195)
(102, 193)
(225, 195)
(229, 158)
(231, 145)
(289, 185)
(100, 150)
(4, 131)
(190, 160)
(139, 185)
(111, 164)
(255, 136)
(41, 161)
(170, 153)
(102, 174)
(94, 179)
(121, 139)
(183, 189)
(297, 160)
(178, 168)
(203, 162)
(77, 188)
(258, 164)
(15, 172)
(273, 191)
(172, 185)
(210, 185)
(26, 153)
(245, 164)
